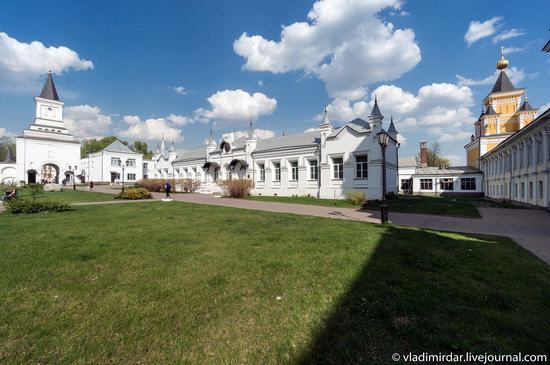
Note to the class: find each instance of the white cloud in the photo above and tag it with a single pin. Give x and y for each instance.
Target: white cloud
(23, 64)
(508, 34)
(478, 30)
(260, 83)
(456, 160)
(541, 110)
(180, 120)
(237, 106)
(401, 139)
(85, 121)
(508, 50)
(314, 129)
(152, 130)
(516, 75)
(181, 90)
(131, 119)
(260, 133)
(339, 39)
(454, 137)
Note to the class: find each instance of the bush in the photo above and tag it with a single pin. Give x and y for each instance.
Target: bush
(189, 185)
(391, 195)
(134, 194)
(35, 190)
(356, 197)
(236, 188)
(30, 206)
(156, 185)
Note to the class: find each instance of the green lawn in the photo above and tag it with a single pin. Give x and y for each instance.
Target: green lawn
(458, 206)
(306, 200)
(69, 195)
(167, 283)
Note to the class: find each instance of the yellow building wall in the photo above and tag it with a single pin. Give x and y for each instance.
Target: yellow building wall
(511, 125)
(473, 157)
(490, 146)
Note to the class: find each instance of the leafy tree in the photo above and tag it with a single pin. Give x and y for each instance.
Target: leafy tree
(5, 143)
(435, 159)
(141, 147)
(93, 145)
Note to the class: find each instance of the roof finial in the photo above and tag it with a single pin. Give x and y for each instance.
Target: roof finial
(325, 120)
(502, 62)
(283, 132)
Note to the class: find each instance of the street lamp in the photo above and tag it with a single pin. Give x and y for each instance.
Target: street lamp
(120, 163)
(383, 140)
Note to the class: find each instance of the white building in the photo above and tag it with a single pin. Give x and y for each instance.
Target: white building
(107, 165)
(326, 163)
(518, 168)
(46, 152)
(8, 169)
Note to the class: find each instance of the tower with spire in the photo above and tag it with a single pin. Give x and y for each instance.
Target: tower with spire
(391, 129)
(325, 127)
(172, 153)
(376, 117)
(505, 110)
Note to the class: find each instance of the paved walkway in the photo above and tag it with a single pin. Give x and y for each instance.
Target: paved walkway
(528, 227)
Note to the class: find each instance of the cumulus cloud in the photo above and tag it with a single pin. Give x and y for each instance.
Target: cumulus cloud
(438, 108)
(516, 75)
(508, 50)
(180, 120)
(153, 129)
(131, 119)
(181, 90)
(85, 121)
(478, 30)
(456, 160)
(260, 133)
(236, 106)
(508, 34)
(23, 64)
(541, 110)
(340, 38)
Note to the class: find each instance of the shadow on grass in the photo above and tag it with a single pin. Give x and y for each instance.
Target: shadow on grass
(426, 291)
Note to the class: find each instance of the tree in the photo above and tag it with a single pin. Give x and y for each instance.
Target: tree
(435, 159)
(141, 147)
(93, 145)
(5, 143)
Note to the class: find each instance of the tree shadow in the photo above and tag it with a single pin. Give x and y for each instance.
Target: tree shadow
(435, 292)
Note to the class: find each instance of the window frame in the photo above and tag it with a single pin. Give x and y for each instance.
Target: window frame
(337, 168)
(362, 167)
(277, 171)
(468, 183)
(429, 181)
(293, 170)
(313, 169)
(261, 168)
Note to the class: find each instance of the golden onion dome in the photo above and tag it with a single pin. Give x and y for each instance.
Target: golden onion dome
(502, 62)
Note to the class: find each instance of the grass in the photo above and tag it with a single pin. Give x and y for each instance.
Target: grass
(68, 195)
(184, 283)
(306, 200)
(457, 206)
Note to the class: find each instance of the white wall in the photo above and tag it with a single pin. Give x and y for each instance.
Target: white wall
(436, 189)
(98, 167)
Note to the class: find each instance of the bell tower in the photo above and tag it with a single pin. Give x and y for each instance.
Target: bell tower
(49, 109)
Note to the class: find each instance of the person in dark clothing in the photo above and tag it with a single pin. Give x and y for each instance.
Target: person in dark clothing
(168, 188)
(91, 185)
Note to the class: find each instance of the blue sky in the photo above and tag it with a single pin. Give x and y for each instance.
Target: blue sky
(118, 65)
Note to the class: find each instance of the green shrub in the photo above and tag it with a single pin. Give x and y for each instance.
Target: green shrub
(391, 195)
(156, 185)
(236, 188)
(30, 206)
(35, 190)
(356, 197)
(134, 194)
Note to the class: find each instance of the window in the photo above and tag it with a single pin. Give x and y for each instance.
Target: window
(277, 167)
(540, 189)
(261, 166)
(216, 173)
(516, 190)
(539, 151)
(361, 167)
(406, 184)
(313, 170)
(131, 162)
(131, 176)
(115, 161)
(426, 184)
(468, 183)
(144, 165)
(446, 184)
(530, 190)
(338, 167)
(293, 170)
(523, 190)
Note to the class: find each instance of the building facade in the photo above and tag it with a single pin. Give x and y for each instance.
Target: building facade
(325, 163)
(518, 169)
(8, 169)
(106, 166)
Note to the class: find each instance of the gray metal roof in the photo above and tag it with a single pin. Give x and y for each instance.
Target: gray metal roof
(391, 128)
(9, 157)
(375, 109)
(358, 125)
(490, 111)
(410, 161)
(191, 155)
(503, 83)
(117, 146)
(48, 90)
(451, 170)
(526, 106)
(289, 141)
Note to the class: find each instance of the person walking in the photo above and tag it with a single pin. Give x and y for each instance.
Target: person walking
(91, 185)
(168, 188)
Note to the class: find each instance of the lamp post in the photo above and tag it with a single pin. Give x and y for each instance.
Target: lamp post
(383, 140)
(122, 164)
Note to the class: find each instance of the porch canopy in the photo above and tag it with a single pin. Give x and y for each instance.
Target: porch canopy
(234, 163)
(207, 165)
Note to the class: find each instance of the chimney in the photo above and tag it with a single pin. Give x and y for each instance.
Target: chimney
(423, 154)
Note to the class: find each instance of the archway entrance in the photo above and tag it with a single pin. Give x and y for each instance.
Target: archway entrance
(31, 177)
(50, 174)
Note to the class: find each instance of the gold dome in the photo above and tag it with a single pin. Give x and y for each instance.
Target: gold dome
(503, 62)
